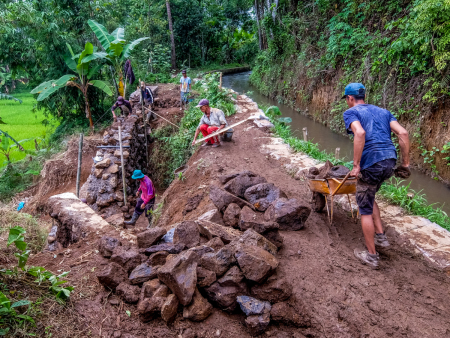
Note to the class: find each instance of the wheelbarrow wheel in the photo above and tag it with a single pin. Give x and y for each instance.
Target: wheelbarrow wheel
(318, 202)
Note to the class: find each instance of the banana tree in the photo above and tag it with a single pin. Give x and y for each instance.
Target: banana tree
(116, 48)
(82, 79)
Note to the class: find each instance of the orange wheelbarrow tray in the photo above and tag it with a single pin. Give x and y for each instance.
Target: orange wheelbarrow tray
(327, 187)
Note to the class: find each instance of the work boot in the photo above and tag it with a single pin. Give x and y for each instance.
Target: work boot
(367, 258)
(133, 219)
(381, 240)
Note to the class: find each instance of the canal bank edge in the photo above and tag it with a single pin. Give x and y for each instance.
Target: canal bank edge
(419, 235)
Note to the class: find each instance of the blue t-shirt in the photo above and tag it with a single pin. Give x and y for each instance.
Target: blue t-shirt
(376, 123)
(185, 84)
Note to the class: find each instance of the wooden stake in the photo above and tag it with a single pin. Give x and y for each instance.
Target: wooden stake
(336, 153)
(305, 134)
(123, 167)
(145, 121)
(220, 80)
(80, 157)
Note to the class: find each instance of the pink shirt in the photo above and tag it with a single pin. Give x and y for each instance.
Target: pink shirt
(148, 192)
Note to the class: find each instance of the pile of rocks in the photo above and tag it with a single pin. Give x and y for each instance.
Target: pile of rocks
(208, 262)
(103, 189)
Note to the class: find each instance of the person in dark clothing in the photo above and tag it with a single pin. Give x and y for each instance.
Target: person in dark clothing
(147, 96)
(374, 159)
(124, 105)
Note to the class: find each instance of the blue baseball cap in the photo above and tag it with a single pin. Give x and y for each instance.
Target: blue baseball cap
(137, 174)
(354, 89)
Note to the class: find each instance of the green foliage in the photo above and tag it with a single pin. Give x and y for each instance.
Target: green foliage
(9, 97)
(9, 316)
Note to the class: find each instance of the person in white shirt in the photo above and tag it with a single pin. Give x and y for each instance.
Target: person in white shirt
(213, 119)
(185, 87)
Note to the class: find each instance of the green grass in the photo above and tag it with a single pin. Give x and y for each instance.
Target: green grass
(216, 66)
(22, 123)
(393, 191)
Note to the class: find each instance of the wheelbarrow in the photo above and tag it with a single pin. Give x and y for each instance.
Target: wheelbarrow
(329, 187)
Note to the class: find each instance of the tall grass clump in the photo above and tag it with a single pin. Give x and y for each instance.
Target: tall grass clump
(394, 191)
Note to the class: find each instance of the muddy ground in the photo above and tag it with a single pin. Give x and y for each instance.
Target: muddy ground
(404, 298)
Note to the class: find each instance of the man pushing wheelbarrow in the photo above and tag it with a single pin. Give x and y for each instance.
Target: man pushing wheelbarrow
(374, 159)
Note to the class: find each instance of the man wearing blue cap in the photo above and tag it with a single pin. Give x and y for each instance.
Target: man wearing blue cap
(146, 201)
(374, 159)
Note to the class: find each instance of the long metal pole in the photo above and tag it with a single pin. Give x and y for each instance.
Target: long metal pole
(145, 122)
(123, 167)
(80, 157)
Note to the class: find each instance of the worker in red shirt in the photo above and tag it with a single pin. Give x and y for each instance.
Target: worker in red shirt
(146, 201)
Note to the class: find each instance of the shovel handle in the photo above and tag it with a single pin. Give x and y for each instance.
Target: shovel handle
(341, 184)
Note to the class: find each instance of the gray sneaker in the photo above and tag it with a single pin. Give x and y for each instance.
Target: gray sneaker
(381, 240)
(367, 258)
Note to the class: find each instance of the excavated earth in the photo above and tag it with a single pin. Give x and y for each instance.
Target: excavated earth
(334, 294)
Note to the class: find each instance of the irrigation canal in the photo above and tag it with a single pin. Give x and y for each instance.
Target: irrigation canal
(328, 140)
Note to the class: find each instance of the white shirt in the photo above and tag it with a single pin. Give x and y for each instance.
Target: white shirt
(216, 118)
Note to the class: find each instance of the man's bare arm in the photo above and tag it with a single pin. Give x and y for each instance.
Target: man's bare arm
(403, 140)
(358, 146)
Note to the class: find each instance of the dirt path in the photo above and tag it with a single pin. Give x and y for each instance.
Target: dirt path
(342, 298)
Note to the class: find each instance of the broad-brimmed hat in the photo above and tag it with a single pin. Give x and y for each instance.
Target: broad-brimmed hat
(203, 102)
(137, 174)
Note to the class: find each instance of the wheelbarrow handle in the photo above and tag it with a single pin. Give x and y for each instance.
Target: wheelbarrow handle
(341, 184)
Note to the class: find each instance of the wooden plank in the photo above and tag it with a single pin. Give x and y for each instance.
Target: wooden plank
(221, 131)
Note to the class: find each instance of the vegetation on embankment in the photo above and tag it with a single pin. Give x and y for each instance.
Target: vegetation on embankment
(393, 191)
(397, 48)
(172, 147)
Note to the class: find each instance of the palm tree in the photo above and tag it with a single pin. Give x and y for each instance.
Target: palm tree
(116, 47)
(82, 79)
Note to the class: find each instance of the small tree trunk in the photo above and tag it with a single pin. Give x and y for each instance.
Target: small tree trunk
(172, 40)
(258, 24)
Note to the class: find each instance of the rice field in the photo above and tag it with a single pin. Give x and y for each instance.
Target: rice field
(23, 124)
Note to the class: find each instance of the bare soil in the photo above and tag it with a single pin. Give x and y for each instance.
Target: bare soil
(342, 297)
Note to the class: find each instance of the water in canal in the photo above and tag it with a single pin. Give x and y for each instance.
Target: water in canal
(328, 140)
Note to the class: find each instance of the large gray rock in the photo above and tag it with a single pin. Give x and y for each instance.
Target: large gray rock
(275, 289)
(224, 292)
(143, 273)
(262, 195)
(167, 247)
(222, 198)
(158, 258)
(112, 276)
(248, 219)
(220, 261)
(199, 309)
(187, 233)
(211, 230)
(231, 215)
(212, 215)
(106, 245)
(238, 185)
(215, 243)
(129, 258)
(226, 178)
(256, 263)
(252, 306)
(180, 275)
(274, 237)
(289, 214)
(251, 237)
(149, 237)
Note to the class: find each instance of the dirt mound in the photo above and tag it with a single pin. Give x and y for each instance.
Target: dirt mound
(59, 174)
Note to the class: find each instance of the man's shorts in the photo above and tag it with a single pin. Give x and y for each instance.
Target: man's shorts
(184, 96)
(370, 182)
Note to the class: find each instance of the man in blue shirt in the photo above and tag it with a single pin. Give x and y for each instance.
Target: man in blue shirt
(374, 159)
(185, 86)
